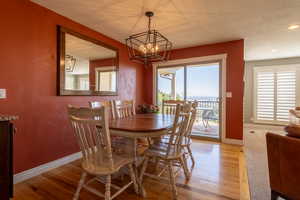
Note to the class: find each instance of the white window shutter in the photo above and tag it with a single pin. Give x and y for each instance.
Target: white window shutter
(265, 93)
(286, 94)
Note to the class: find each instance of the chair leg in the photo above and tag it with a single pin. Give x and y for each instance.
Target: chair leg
(191, 155)
(80, 185)
(203, 122)
(156, 164)
(107, 187)
(274, 195)
(185, 168)
(144, 167)
(149, 141)
(133, 178)
(172, 180)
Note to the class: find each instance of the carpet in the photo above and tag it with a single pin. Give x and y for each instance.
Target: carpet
(256, 159)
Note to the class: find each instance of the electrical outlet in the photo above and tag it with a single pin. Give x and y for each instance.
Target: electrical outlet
(2, 93)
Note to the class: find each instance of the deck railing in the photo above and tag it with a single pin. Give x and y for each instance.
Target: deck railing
(214, 104)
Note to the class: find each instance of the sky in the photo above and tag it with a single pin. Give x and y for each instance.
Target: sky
(201, 81)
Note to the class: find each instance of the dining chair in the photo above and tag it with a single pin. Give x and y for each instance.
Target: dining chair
(172, 151)
(98, 160)
(169, 106)
(126, 108)
(108, 104)
(187, 140)
(123, 108)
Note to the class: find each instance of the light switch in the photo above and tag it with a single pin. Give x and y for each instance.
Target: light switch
(2, 93)
(228, 94)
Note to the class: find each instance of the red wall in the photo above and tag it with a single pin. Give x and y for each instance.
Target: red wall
(234, 82)
(99, 63)
(28, 72)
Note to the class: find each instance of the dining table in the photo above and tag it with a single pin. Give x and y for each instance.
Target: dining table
(141, 126)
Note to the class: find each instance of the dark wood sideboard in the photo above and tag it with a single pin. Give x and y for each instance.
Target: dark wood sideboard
(6, 159)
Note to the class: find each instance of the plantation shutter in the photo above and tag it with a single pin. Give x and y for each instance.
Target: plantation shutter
(265, 96)
(275, 93)
(286, 94)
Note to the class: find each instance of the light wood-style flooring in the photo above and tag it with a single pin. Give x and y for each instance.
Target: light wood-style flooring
(219, 174)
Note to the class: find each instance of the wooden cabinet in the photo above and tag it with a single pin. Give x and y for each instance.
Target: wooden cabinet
(6, 160)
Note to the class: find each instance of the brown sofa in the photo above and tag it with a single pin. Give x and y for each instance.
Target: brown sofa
(284, 166)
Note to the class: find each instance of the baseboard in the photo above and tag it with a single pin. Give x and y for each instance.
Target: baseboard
(233, 141)
(45, 167)
(264, 127)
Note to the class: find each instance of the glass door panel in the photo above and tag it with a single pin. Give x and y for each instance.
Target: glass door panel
(203, 86)
(170, 84)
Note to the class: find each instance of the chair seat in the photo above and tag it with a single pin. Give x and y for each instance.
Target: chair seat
(185, 140)
(160, 150)
(93, 168)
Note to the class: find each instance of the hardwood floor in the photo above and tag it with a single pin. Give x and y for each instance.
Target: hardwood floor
(217, 175)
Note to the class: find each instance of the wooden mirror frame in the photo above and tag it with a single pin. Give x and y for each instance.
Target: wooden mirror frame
(61, 50)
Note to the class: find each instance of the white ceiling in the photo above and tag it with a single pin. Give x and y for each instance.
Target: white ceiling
(86, 50)
(262, 23)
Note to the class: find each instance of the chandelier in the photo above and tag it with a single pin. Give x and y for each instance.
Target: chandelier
(149, 46)
(70, 62)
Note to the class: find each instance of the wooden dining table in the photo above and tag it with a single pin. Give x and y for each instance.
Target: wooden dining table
(141, 126)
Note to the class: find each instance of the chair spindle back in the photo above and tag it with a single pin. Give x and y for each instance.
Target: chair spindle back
(191, 122)
(169, 106)
(108, 104)
(124, 108)
(92, 133)
(180, 128)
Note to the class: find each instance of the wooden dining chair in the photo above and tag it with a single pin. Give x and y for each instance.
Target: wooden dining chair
(92, 132)
(123, 108)
(187, 140)
(172, 151)
(108, 104)
(169, 106)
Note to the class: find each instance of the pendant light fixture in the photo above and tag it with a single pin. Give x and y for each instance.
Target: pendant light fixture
(70, 62)
(149, 46)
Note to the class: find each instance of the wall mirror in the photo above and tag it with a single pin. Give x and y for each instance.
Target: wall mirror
(86, 66)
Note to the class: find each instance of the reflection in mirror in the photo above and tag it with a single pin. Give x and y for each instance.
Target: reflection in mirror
(106, 79)
(89, 68)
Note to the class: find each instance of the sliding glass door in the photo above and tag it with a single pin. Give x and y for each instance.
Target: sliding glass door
(196, 82)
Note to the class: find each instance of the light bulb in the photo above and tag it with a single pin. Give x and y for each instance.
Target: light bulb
(142, 48)
(149, 46)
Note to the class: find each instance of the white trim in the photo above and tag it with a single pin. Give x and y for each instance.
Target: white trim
(22, 176)
(233, 141)
(222, 58)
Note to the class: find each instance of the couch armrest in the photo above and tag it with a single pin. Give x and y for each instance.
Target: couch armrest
(284, 164)
(274, 161)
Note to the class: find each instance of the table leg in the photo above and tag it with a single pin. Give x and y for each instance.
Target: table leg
(142, 191)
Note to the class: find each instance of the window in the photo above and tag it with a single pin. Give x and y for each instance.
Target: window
(275, 93)
(106, 78)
